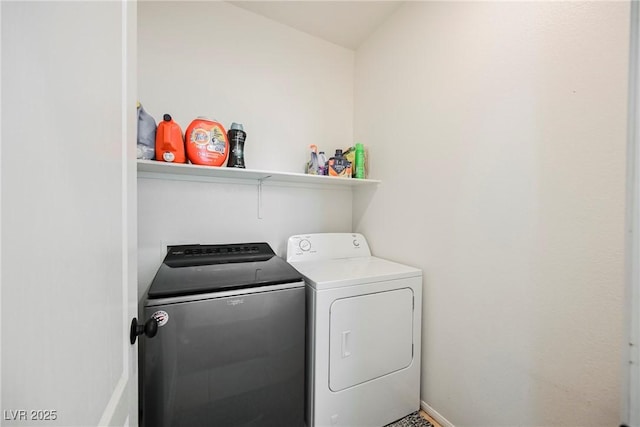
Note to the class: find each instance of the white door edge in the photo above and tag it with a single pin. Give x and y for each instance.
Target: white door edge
(117, 411)
(1, 212)
(631, 354)
(119, 408)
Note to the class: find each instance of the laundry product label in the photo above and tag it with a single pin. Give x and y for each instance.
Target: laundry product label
(162, 317)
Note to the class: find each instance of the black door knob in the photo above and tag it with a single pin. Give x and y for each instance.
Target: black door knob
(150, 329)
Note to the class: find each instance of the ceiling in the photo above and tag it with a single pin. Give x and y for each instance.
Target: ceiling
(345, 23)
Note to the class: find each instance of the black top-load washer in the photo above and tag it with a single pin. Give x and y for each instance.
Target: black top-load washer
(229, 350)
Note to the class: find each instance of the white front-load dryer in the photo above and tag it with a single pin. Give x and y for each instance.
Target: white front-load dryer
(363, 332)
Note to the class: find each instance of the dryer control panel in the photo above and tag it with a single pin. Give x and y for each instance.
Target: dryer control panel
(321, 246)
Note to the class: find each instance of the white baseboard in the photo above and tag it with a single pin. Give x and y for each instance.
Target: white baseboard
(435, 415)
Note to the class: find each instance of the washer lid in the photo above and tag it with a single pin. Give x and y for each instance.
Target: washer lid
(193, 269)
(336, 273)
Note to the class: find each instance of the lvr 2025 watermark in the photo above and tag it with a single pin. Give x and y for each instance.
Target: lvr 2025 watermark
(30, 414)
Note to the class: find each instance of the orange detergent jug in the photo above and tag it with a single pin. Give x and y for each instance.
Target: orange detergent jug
(207, 142)
(169, 142)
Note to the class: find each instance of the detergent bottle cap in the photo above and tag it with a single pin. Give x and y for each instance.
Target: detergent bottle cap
(167, 118)
(237, 126)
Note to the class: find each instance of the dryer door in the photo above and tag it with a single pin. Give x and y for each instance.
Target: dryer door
(371, 336)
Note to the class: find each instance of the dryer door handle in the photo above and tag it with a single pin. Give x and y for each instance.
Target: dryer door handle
(345, 344)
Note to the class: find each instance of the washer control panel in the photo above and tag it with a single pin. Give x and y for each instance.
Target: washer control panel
(304, 245)
(319, 246)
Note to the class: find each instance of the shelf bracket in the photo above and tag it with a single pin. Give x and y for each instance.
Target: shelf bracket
(260, 181)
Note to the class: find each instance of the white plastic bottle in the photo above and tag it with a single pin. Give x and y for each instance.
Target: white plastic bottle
(146, 144)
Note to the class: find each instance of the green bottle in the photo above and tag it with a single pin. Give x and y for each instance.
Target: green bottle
(359, 169)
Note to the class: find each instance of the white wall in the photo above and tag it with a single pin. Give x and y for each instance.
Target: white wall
(498, 130)
(289, 90)
(179, 212)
